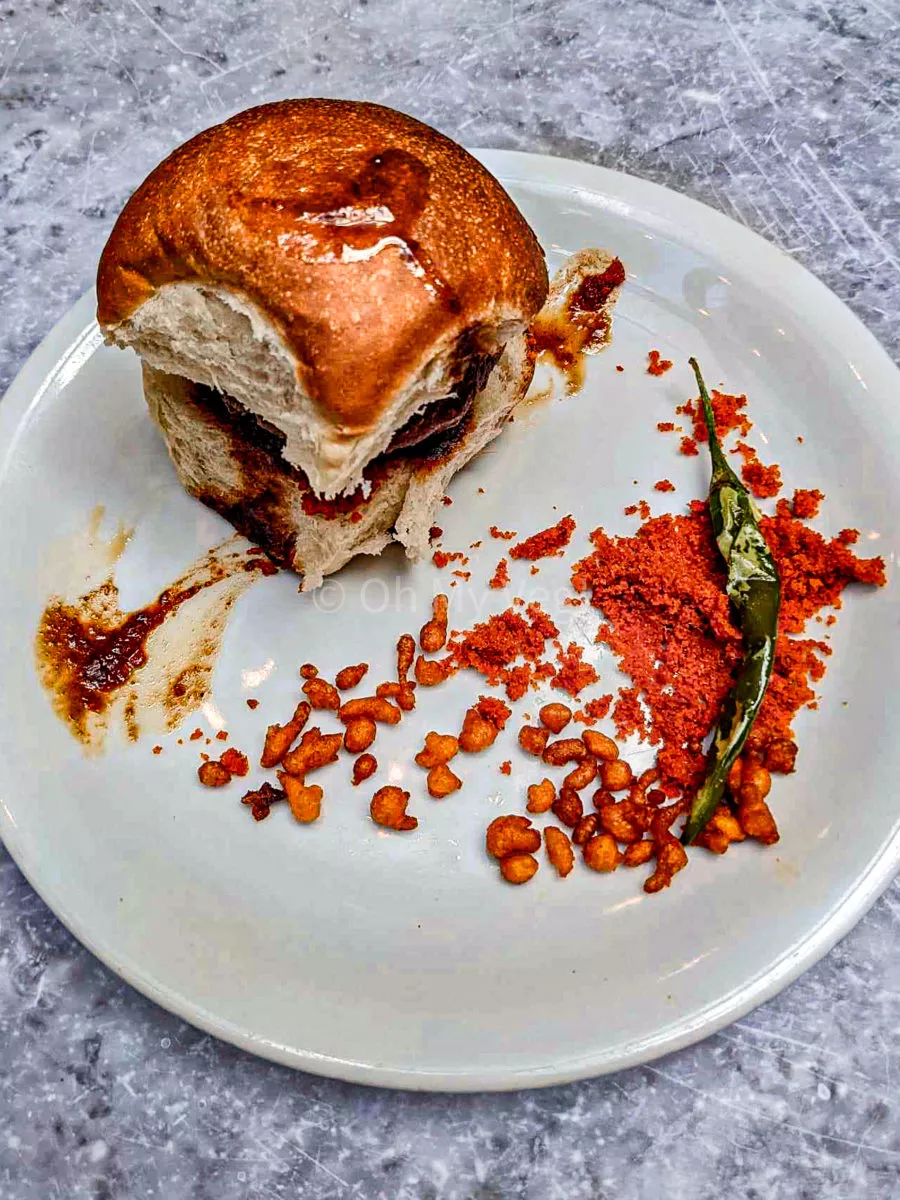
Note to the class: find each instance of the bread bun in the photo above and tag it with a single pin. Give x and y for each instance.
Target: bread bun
(331, 266)
(273, 504)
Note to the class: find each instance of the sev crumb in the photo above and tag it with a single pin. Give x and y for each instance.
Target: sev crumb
(222, 735)
(657, 365)
(157, 749)
(506, 768)
(500, 578)
(688, 447)
(664, 485)
(196, 735)
(503, 535)
(548, 543)
(665, 426)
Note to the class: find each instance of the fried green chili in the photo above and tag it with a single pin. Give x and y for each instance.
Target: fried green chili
(755, 593)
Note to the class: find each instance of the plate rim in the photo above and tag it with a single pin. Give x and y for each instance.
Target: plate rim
(76, 330)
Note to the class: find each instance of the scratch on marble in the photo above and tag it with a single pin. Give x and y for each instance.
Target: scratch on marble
(757, 71)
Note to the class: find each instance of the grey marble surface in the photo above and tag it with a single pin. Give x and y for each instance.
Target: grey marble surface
(782, 113)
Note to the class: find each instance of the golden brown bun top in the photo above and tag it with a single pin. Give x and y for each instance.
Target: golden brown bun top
(365, 236)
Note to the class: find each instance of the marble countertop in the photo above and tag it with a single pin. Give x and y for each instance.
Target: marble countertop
(781, 113)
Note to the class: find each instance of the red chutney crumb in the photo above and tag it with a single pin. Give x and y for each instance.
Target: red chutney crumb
(762, 481)
(665, 426)
(506, 767)
(435, 532)
(688, 447)
(222, 735)
(493, 647)
(727, 410)
(595, 710)
(658, 365)
(573, 675)
(196, 735)
(355, 517)
(667, 619)
(446, 500)
(500, 578)
(619, 368)
(252, 703)
(441, 558)
(504, 535)
(664, 485)
(157, 749)
(806, 502)
(547, 543)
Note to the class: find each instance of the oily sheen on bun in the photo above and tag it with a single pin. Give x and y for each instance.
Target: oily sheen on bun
(330, 300)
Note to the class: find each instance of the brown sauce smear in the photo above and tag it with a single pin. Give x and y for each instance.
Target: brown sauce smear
(86, 660)
(353, 220)
(565, 336)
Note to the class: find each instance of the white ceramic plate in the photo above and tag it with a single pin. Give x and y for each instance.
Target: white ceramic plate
(403, 960)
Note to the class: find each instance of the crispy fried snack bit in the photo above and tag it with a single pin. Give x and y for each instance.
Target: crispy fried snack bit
(442, 782)
(600, 745)
(582, 775)
(781, 756)
(439, 749)
(388, 809)
(615, 820)
(586, 828)
(375, 707)
(756, 819)
(305, 800)
(616, 776)
(533, 739)
(541, 796)
(511, 835)
(477, 732)
(601, 853)
(260, 801)
(322, 694)
(431, 672)
(349, 677)
(359, 734)
(404, 694)
(670, 859)
(280, 738)
(559, 850)
(364, 768)
(721, 830)
(406, 653)
(568, 807)
(213, 774)
(433, 633)
(555, 716)
(566, 750)
(308, 671)
(638, 853)
(518, 868)
(236, 762)
(316, 750)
